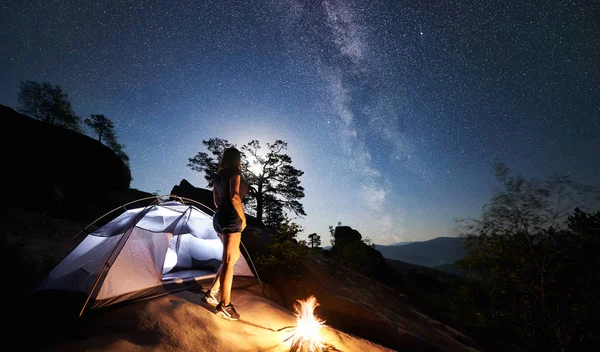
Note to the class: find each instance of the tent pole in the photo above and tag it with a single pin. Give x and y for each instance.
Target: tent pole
(123, 239)
(107, 265)
(95, 221)
(93, 288)
(124, 207)
(251, 262)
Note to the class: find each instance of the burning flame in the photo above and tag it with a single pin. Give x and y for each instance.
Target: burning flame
(306, 337)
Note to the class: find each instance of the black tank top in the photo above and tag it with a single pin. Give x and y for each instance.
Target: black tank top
(221, 184)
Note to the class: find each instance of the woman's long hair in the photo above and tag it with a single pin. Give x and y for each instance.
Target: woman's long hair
(231, 158)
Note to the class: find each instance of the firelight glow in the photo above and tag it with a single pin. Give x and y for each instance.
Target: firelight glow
(306, 336)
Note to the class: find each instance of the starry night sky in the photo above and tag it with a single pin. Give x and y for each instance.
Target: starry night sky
(395, 110)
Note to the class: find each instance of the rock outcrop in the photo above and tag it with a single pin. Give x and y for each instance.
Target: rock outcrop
(53, 170)
(346, 234)
(359, 305)
(204, 196)
(186, 190)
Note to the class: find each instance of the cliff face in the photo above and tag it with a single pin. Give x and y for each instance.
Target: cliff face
(52, 170)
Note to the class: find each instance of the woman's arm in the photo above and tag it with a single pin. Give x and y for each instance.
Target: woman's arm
(236, 200)
(215, 196)
(244, 188)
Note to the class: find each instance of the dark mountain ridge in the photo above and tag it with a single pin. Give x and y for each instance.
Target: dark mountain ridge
(439, 251)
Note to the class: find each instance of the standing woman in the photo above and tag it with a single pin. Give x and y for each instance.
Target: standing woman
(229, 221)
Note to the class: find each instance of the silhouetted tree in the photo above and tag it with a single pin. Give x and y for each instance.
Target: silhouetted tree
(118, 149)
(314, 240)
(332, 233)
(369, 242)
(273, 176)
(535, 259)
(204, 162)
(47, 103)
(102, 125)
(273, 211)
(30, 99)
(105, 129)
(523, 205)
(274, 182)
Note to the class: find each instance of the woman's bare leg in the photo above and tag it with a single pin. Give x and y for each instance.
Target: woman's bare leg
(231, 253)
(216, 284)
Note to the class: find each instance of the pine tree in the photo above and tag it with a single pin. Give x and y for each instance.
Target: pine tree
(274, 182)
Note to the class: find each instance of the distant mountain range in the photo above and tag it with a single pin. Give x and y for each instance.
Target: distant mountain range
(401, 243)
(439, 251)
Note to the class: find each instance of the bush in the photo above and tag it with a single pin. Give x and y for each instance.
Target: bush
(285, 255)
(543, 286)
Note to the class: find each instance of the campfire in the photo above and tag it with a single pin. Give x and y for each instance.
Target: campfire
(305, 337)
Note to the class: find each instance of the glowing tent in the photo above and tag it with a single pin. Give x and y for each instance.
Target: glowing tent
(144, 252)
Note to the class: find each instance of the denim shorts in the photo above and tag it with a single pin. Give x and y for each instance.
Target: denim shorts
(225, 222)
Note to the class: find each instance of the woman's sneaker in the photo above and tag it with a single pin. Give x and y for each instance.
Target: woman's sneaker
(227, 312)
(210, 298)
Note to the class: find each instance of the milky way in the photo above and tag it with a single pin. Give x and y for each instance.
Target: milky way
(395, 110)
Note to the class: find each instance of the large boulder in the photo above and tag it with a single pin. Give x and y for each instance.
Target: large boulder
(50, 169)
(346, 234)
(352, 252)
(201, 195)
(205, 197)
